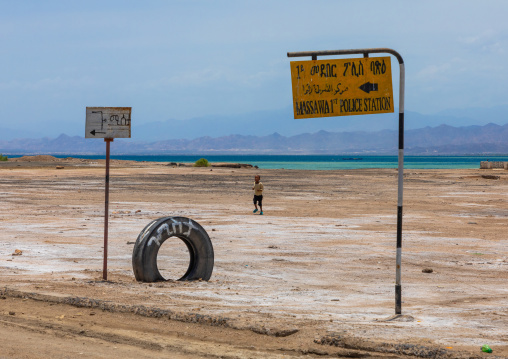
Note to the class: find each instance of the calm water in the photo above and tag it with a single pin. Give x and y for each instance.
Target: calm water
(328, 162)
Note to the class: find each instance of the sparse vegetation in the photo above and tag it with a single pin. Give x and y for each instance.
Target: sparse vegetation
(3, 158)
(202, 162)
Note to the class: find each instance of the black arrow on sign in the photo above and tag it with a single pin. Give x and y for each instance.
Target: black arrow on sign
(368, 87)
(94, 132)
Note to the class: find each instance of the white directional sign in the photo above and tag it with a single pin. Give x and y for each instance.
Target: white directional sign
(108, 122)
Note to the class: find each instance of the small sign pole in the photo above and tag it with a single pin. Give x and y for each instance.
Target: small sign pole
(106, 212)
(107, 123)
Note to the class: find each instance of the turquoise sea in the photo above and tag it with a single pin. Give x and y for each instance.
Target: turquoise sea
(325, 162)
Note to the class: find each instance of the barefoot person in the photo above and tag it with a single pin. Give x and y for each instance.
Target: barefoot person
(258, 194)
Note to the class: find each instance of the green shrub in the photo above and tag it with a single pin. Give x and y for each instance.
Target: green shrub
(202, 162)
(3, 158)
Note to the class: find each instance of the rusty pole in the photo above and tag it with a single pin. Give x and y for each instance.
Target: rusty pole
(106, 212)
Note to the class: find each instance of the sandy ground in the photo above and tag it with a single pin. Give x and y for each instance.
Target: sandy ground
(313, 277)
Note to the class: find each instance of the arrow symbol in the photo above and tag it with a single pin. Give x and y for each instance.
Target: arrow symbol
(368, 87)
(94, 132)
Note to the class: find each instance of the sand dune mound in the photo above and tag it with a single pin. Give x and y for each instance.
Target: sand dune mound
(38, 158)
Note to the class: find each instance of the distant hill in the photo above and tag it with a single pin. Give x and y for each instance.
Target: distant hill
(261, 123)
(440, 140)
(264, 123)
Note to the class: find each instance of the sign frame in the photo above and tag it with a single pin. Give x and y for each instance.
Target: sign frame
(366, 52)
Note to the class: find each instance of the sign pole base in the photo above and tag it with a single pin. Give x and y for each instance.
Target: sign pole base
(398, 299)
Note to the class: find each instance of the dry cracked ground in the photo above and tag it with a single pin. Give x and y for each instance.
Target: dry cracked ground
(313, 277)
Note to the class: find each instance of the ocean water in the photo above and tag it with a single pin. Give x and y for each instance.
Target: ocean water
(325, 162)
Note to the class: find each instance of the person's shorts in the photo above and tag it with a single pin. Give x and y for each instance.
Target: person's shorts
(258, 199)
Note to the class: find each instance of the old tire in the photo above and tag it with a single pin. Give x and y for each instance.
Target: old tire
(144, 255)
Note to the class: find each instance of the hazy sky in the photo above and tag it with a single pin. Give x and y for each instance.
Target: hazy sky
(185, 59)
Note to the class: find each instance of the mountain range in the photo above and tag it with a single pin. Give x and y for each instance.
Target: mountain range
(258, 123)
(438, 140)
(264, 123)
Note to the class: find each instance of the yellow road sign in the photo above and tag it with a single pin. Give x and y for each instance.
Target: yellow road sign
(342, 87)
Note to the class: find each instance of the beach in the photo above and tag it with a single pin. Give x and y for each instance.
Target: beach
(314, 276)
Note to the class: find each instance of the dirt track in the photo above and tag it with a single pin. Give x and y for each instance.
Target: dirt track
(318, 268)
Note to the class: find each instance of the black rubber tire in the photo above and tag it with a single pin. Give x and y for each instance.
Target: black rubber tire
(144, 255)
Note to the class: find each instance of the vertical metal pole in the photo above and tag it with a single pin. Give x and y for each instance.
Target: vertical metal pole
(366, 52)
(398, 288)
(106, 212)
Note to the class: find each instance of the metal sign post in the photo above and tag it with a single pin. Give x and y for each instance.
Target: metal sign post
(331, 88)
(106, 212)
(107, 123)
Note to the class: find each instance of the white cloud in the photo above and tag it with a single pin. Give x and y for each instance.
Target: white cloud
(48, 84)
(432, 71)
(482, 37)
(488, 41)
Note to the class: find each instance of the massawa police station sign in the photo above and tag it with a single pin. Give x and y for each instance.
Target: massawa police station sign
(342, 87)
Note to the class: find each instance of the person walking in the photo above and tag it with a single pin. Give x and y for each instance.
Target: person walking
(258, 194)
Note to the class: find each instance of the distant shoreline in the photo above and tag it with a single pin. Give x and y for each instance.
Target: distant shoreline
(301, 162)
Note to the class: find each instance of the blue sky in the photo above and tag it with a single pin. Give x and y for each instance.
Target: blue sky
(187, 59)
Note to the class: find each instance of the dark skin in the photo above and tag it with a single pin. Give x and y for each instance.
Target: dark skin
(256, 180)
